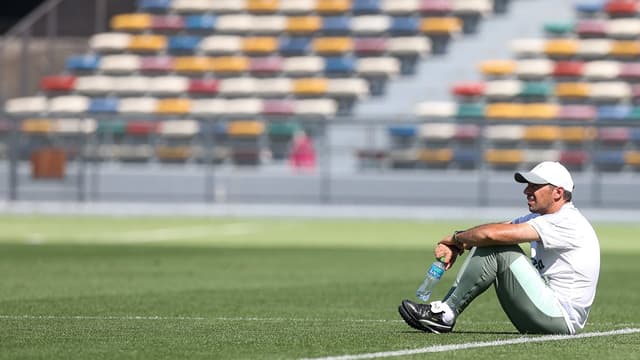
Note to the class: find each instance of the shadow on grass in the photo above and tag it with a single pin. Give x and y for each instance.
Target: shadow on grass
(465, 332)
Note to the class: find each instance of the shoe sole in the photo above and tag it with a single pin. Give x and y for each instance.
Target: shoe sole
(408, 317)
(410, 320)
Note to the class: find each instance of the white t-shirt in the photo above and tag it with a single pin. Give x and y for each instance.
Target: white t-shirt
(568, 257)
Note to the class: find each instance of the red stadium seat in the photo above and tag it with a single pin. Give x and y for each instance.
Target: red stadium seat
(204, 86)
(58, 83)
(141, 127)
(369, 46)
(278, 107)
(470, 89)
(574, 159)
(568, 69)
(621, 8)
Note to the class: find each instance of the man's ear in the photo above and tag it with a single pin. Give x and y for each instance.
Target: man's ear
(558, 193)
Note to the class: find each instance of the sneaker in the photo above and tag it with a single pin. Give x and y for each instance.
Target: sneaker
(424, 317)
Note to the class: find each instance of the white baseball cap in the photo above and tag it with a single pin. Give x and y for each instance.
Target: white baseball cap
(547, 172)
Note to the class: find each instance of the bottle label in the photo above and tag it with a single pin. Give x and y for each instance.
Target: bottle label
(436, 271)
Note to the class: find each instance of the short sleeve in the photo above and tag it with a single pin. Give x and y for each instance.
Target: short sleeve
(524, 218)
(554, 231)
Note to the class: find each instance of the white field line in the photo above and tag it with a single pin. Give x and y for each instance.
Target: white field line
(472, 345)
(161, 234)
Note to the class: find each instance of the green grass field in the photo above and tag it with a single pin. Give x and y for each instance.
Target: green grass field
(157, 288)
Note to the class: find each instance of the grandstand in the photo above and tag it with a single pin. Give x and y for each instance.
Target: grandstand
(209, 94)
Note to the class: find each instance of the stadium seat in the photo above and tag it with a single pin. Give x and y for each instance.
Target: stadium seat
(292, 46)
(497, 68)
(157, 64)
(360, 7)
(266, 66)
(183, 43)
(533, 69)
(304, 25)
(470, 111)
(630, 72)
(504, 158)
(316, 107)
(147, 43)
(169, 85)
(466, 158)
(100, 84)
(620, 8)
(128, 85)
(370, 24)
(203, 86)
(618, 136)
(591, 28)
(500, 90)
(236, 23)
(336, 25)
(404, 26)
(110, 42)
(437, 132)
(262, 6)
(27, 105)
(504, 133)
(435, 157)
(245, 128)
(200, 22)
(632, 158)
(120, 64)
(262, 45)
(137, 105)
(574, 159)
(540, 111)
(70, 104)
(436, 109)
(243, 106)
(332, 45)
(58, 83)
(527, 48)
(536, 91)
(332, 6)
(81, 63)
(74, 126)
(173, 106)
(221, 44)
(273, 87)
(432, 8)
(466, 133)
(238, 86)
(230, 64)
(440, 30)
(303, 65)
(561, 48)
(370, 46)
(559, 29)
(614, 112)
(471, 13)
(131, 22)
(625, 49)
(355, 88)
(594, 49)
(568, 69)
(544, 134)
(577, 112)
(623, 29)
(602, 70)
(533, 157)
(503, 110)
(278, 107)
(154, 5)
(573, 91)
(36, 126)
(469, 89)
(104, 105)
(192, 6)
(271, 25)
(297, 6)
(577, 134)
(610, 92)
(339, 66)
(310, 86)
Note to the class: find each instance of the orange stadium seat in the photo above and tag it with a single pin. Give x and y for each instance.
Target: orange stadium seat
(577, 134)
(260, 45)
(148, 43)
(435, 156)
(504, 157)
(332, 45)
(36, 126)
(173, 106)
(540, 111)
(572, 90)
(131, 22)
(504, 111)
(332, 6)
(245, 128)
(441, 25)
(632, 158)
(497, 67)
(262, 6)
(230, 64)
(625, 49)
(561, 48)
(303, 24)
(310, 86)
(541, 134)
(193, 64)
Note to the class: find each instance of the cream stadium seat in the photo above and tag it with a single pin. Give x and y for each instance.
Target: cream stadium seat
(168, 85)
(235, 23)
(137, 105)
(131, 84)
(110, 42)
(120, 64)
(303, 65)
(95, 85)
(602, 70)
(436, 109)
(315, 107)
(370, 24)
(27, 105)
(70, 104)
(221, 44)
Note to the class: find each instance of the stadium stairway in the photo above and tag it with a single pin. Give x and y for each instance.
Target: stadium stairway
(434, 76)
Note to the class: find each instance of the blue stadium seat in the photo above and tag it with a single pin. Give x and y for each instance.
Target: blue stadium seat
(590, 7)
(609, 160)
(613, 112)
(154, 5)
(82, 62)
(183, 43)
(635, 135)
(339, 65)
(294, 45)
(336, 25)
(200, 22)
(365, 7)
(104, 105)
(466, 158)
(404, 25)
(403, 131)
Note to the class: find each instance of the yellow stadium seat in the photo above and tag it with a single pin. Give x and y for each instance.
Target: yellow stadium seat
(539, 111)
(572, 90)
(310, 86)
(577, 134)
(541, 133)
(304, 24)
(173, 106)
(131, 22)
(245, 128)
(435, 155)
(632, 158)
(174, 153)
(37, 126)
(147, 43)
(625, 48)
(193, 64)
(441, 25)
(332, 45)
(561, 47)
(333, 6)
(230, 64)
(263, 6)
(504, 111)
(501, 157)
(261, 45)
(497, 67)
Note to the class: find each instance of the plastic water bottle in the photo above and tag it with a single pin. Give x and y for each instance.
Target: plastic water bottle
(431, 279)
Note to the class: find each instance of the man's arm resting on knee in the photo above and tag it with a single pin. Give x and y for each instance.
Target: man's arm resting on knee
(491, 235)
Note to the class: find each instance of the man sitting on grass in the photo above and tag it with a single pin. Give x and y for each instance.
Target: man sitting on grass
(550, 295)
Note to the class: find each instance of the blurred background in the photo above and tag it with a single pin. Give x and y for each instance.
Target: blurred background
(374, 102)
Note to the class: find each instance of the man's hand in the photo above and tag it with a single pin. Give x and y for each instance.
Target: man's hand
(450, 254)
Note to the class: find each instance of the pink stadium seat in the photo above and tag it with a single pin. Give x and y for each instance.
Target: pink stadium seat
(204, 86)
(614, 135)
(468, 132)
(635, 93)
(574, 159)
(568, 69)
(278, 107)
(591, 28)
(577, 112)
(58, 83)
(271, 65)
(630, 71)
(167, 23)
(435, 7)
(156, 64)
(370, 46)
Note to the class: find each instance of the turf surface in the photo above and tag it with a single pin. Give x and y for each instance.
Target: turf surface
(155, 288)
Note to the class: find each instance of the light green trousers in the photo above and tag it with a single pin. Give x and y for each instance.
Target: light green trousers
(524, 296)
